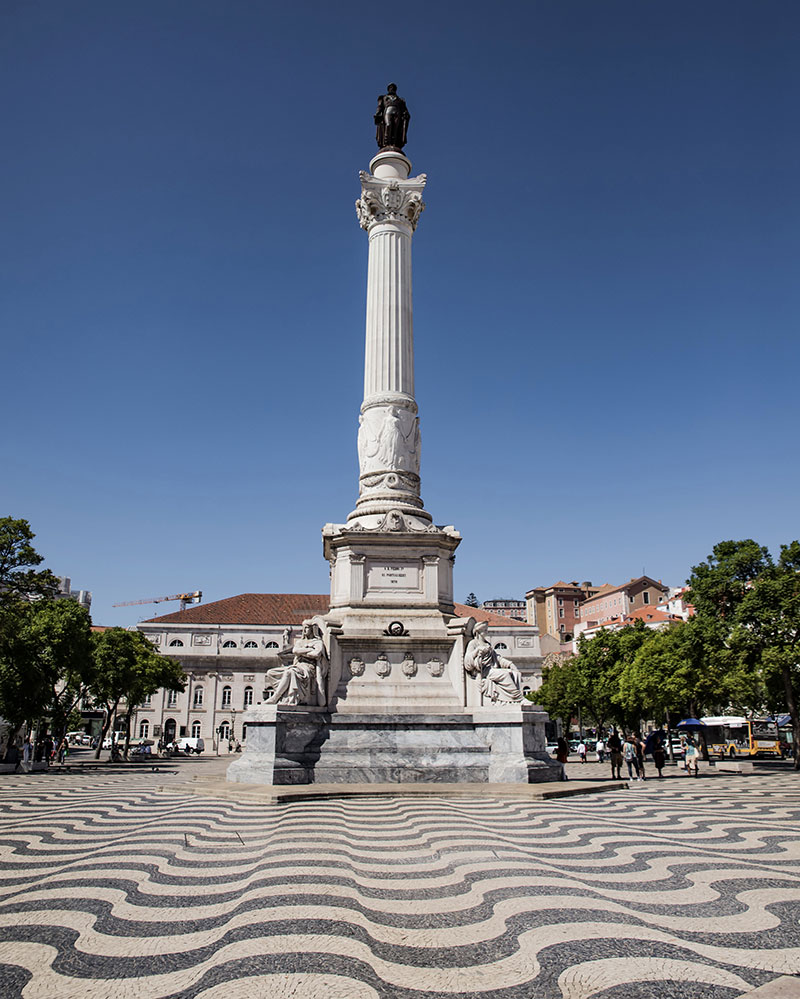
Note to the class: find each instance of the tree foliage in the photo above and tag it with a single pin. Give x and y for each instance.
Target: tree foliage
(46, 663)
(128, 669)
(18, 559)
(471, 601)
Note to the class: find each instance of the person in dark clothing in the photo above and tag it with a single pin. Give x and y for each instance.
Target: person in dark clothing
(614, 746)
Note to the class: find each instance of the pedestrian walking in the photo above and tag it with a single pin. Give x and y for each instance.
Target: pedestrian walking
(614, 745)
(630, 757)
(601, 750)
(639, 755)
(582, 751)
(27, 751)
(692, 757)
(659, 754)
(562, 753)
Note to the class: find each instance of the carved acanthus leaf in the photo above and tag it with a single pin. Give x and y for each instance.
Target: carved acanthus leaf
(390, 200)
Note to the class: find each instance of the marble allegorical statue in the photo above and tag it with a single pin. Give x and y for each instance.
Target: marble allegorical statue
(303, 680)
(391, 120)
(385, 445)
(500, 680)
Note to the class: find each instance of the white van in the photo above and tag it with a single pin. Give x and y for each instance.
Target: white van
(188, 745)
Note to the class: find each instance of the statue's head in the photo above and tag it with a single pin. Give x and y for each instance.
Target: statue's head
(480, 629)
(392, 88)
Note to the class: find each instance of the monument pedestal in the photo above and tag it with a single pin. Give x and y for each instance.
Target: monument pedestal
(304, 745)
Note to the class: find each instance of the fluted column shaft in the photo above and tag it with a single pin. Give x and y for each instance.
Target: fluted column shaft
(388, 436)
(389, 355)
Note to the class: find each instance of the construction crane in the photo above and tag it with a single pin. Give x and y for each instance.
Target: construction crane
(185, 599)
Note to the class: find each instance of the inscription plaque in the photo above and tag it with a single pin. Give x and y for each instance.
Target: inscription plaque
(402, 576)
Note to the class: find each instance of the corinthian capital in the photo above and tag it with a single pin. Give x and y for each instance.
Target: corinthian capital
(390, 200)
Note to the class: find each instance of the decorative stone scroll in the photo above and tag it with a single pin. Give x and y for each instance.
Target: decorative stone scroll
(390, 201)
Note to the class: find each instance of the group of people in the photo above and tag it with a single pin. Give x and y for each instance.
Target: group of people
(632, 751)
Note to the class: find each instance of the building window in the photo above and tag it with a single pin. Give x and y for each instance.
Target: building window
(226, 697)
(196, 730)
(144, 729)
(147, 700)
(172, 698)
(248, 696)
(560, 611)
(271, 645)
(198, 697)
(646, 597)
(501, 646)
(251, 645)
(224, 732)
(176, 643)
(229, 645)
(560, 601)
(561, 627)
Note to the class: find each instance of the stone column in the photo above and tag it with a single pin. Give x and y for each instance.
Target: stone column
(388, 436)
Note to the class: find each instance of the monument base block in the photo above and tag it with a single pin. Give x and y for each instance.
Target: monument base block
(305, 745)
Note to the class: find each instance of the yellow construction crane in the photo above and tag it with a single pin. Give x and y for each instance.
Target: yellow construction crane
(185, 599)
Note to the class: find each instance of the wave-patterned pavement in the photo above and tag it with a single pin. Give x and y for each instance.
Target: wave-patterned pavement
(110, 888)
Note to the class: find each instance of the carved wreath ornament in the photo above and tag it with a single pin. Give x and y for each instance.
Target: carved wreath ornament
(390, 202)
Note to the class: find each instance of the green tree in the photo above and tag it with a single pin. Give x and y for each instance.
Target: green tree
(558, 693)
(673, 673)
(18, 559)
(768, 627)
(718, 585)
(45, 661)
(127, 669)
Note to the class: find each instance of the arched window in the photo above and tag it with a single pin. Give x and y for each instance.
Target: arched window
(196, 730)
(198, 697)
(172, 698)
(224, 732)
(248, 696)
(176, 643)
(226, 697)
(526, 690)
(144, 729)
(271, 645)
(251, 645)
(229, 644)
(501, 646)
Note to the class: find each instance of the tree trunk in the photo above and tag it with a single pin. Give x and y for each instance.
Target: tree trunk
(791, 704)
(109, 714)
(669, 737)
(127, 734)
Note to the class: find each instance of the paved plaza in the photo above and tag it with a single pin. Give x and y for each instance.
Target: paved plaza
(127, 884)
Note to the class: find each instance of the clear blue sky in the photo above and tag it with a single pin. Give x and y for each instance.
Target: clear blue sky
(606, 294)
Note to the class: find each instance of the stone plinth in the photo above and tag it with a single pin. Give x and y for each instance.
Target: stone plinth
(311, 745)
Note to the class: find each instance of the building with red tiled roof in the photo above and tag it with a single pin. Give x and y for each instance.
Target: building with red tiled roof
(227, 646)
(556, 609)
(610, 602)
(653, 617)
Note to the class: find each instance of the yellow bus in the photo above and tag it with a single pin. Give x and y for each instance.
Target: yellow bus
(736, 736)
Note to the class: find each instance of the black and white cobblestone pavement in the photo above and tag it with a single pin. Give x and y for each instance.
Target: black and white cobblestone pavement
(677, 888)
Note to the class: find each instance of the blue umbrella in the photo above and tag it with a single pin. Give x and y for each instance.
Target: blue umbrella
(690, 723)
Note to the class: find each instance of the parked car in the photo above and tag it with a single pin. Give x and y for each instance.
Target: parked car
(78, 738)
(188, 745)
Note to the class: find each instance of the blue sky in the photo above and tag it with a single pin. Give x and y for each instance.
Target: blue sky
(605, 284)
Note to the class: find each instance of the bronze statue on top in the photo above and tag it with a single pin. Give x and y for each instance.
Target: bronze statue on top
(392, 119)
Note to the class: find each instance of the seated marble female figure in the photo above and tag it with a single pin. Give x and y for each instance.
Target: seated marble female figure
(295, 682)
(500, 679)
